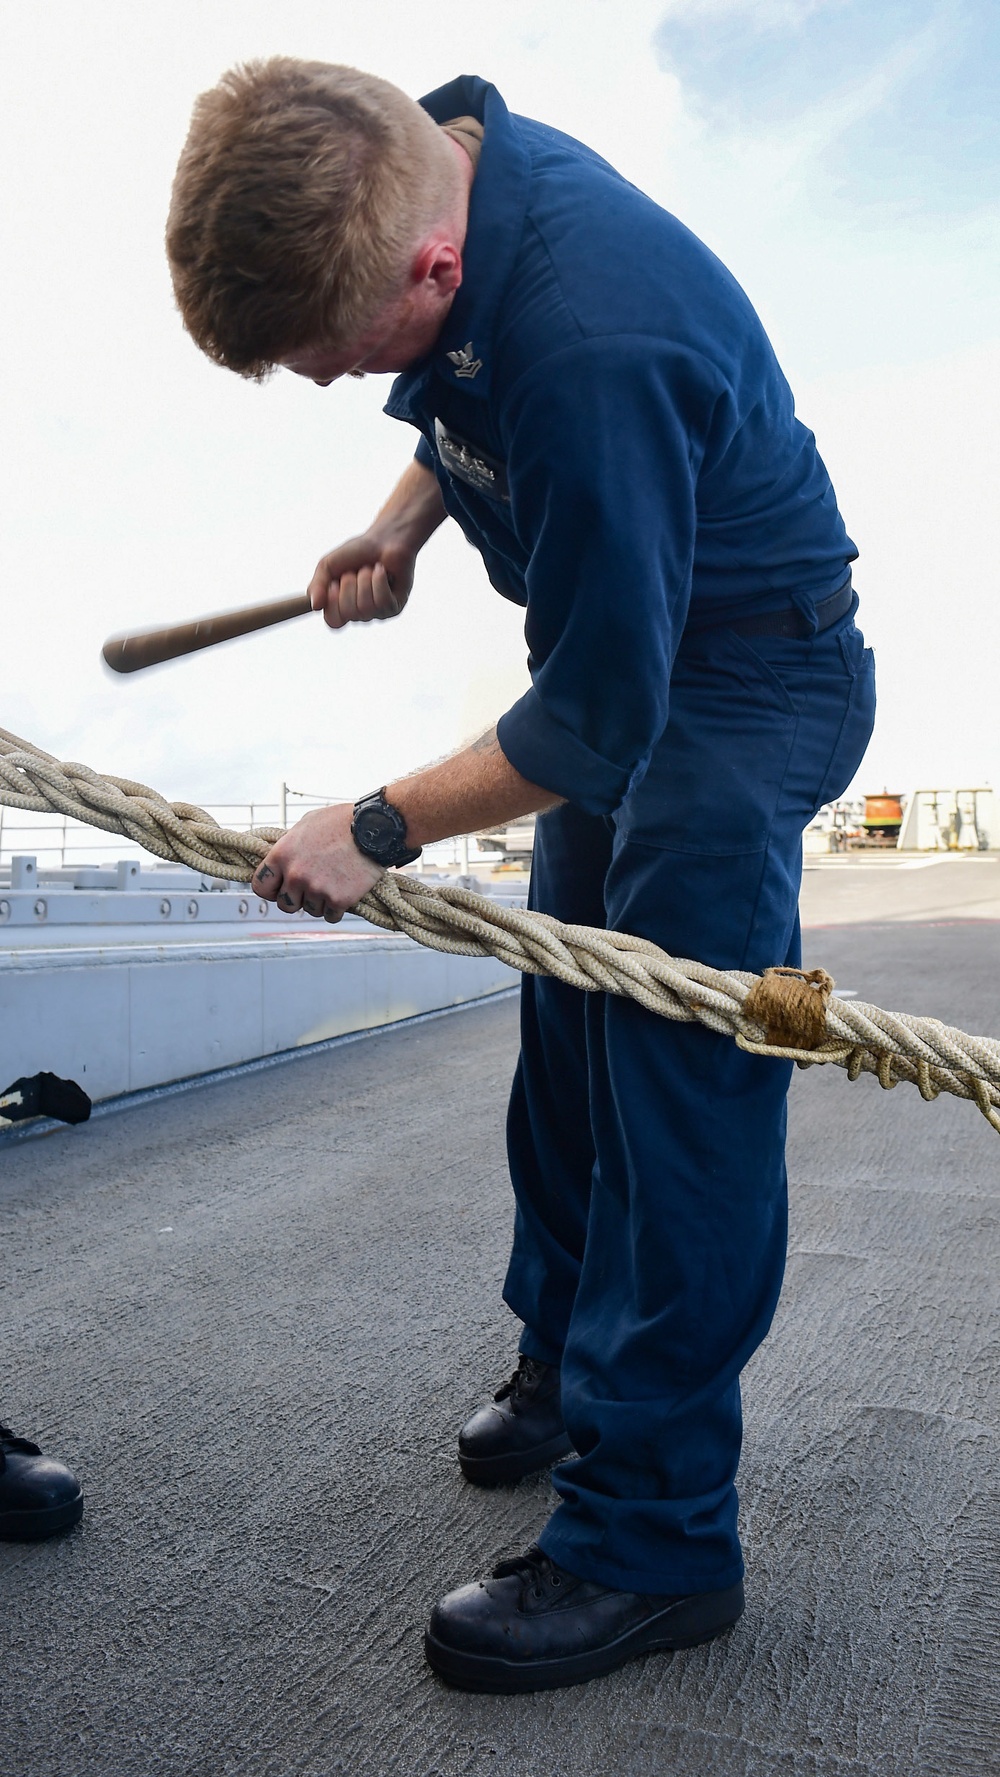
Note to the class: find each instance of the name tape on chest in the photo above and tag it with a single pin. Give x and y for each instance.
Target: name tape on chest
(468, 463)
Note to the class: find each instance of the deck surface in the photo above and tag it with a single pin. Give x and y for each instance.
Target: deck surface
(253, 1315)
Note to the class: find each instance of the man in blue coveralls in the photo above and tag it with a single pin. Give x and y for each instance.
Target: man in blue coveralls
(601, 413)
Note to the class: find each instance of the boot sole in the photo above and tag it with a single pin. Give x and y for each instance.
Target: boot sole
(495, 1471)
(32, 1526)
(688, 1623)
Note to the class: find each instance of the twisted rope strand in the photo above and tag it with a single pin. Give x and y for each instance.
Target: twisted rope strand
(862, 1038)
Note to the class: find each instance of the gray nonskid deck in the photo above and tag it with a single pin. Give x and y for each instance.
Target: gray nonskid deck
(253, 1316)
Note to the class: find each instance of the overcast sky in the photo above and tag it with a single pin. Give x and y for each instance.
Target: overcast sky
(840, 156)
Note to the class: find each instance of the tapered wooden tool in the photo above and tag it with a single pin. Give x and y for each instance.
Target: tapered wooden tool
(131, 652)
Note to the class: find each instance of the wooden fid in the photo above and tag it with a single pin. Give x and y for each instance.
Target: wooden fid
(131, 652)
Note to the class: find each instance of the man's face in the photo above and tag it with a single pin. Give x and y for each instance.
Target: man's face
(324, 364)
(403, 332)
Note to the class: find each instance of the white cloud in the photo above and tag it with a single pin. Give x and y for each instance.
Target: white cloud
(763, 15)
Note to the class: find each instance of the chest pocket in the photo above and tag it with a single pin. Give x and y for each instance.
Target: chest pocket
(469, 463)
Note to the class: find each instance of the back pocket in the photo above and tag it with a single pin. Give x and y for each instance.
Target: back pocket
(714, 780)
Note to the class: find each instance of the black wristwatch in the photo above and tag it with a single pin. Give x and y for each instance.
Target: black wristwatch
(379, 830)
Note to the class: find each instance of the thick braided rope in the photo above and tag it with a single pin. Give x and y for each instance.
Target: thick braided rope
(860, 1037)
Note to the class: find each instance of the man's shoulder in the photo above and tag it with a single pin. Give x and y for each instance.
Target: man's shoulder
(601, 260)
(555, 150)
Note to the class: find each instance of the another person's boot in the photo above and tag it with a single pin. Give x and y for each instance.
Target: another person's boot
(38, 1495)
(519, 1431)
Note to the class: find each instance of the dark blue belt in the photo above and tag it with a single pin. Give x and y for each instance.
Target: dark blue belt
(790, 621)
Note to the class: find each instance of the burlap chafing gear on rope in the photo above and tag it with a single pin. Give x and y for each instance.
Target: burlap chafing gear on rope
(785, 1013)
(791, 1005)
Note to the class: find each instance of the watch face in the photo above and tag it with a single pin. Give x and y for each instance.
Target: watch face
(376, 830)
(380, 832)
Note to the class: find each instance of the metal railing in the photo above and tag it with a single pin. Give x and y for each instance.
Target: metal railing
(57, 840)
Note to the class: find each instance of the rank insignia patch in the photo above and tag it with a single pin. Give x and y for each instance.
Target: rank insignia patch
(465, 363)
(468, 463)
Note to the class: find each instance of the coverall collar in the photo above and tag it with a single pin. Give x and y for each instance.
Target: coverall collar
(463, 353)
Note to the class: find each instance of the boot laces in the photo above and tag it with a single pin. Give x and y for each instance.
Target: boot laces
(522, 1382)
(14, 1446)
(534, 1568)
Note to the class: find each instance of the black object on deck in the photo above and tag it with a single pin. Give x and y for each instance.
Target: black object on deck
(45, 1095)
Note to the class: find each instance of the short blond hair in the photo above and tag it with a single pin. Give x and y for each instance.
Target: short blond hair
(301, 194)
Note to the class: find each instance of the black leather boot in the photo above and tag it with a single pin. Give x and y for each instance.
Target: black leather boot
(519, 1431)
(533, 1627)
(38, 1495)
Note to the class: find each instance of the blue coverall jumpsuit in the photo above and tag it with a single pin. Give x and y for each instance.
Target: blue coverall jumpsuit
(610, 428)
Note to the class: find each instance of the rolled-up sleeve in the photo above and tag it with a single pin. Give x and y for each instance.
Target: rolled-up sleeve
(604, 441)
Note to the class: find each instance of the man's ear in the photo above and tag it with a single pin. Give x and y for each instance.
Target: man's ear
(438, 262)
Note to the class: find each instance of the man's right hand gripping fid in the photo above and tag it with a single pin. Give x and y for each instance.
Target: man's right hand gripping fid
(370, 576)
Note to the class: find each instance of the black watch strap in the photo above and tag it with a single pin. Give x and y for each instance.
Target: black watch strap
(379, 831)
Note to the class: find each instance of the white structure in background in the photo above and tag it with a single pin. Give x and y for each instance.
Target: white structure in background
(933, 820)
(951, 820)
(514, 840)
(827, 831)
(123, 977)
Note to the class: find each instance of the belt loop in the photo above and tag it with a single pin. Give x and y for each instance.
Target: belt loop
(809, 612)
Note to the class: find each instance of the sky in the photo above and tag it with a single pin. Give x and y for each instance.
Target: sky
(840, 157)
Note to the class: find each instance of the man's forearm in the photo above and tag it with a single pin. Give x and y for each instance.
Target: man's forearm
(316, 864)
(414, 509)
(476, 788)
